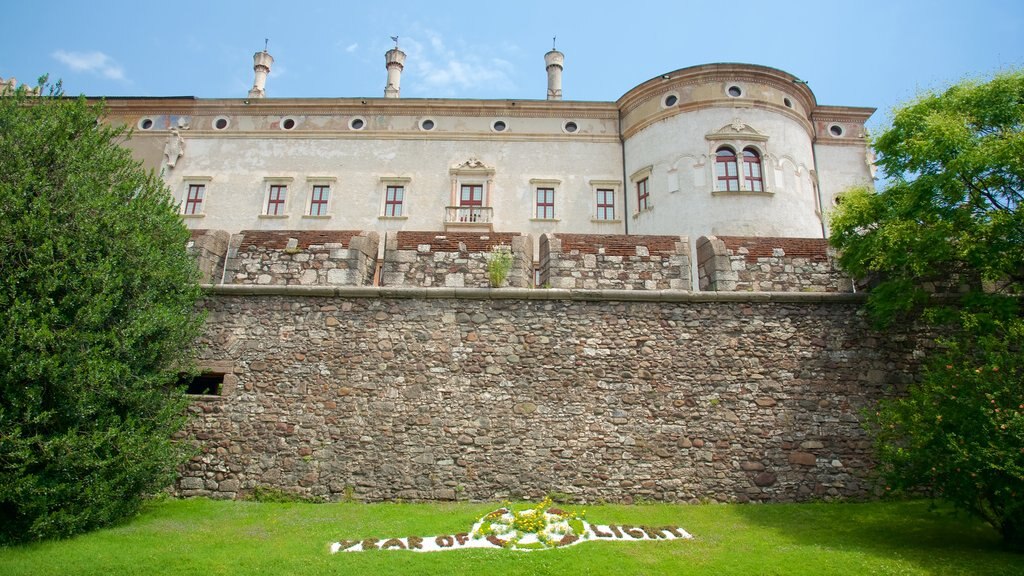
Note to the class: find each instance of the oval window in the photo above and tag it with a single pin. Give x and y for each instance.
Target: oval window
(427, 125)
(357, 124)
(671, 100)
(499, 126)
(835, 130)
(571, 127)
(735, 91)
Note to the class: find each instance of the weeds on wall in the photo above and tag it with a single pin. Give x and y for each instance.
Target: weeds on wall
(499, 263)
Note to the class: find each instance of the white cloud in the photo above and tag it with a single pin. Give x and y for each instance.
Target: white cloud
(91, 62)
(352, 47)
(440, 70)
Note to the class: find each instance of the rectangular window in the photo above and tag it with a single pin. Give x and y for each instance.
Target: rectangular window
(194, 200)
(546, 203)
(393, 198)
(276, 198)
(472, 196)
(318, 202)
(605, 204)
(642, 196)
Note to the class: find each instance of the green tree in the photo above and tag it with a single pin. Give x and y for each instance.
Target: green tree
(949, 220)
(98, 318)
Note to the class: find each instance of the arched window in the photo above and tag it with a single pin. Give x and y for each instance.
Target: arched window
(752, 170)
(725, 170)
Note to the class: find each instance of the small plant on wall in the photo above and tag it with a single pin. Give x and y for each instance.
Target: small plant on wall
(499, 263)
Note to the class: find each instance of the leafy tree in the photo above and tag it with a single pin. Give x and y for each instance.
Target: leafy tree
(950, 221)
(98, 317)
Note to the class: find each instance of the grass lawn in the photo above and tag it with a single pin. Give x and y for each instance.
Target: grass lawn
(211, 538)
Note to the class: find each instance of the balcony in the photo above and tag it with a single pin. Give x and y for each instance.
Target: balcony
(469, 218)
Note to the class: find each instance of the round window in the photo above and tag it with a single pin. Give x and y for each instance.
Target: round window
(735, 91)
(787, 102)
(220, 123)
(146, 123)
(835, 130)
(357, 124)
(427, 125)
(671, 100)
(288, 123)
(571, 127)
(499, 126)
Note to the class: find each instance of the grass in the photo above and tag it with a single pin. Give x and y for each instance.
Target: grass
(220, 538)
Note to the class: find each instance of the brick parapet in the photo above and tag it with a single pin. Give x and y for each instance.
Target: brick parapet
(616, 262)
(301, 257)
(453, 259)
(734, 263)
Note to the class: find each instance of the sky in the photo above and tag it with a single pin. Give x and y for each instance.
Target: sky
(852, 53)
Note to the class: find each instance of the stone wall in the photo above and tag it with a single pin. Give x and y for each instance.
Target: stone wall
(453, 259)
(304, 257)
(742, 264)
(615, 262)
(209, 248)
(488, 394)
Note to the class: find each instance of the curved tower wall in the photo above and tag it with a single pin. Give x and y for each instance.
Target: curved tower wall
(672, 127)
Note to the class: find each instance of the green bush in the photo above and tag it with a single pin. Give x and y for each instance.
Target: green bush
(99, 318)
(499, 263)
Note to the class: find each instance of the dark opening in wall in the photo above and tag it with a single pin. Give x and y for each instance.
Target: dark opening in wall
(206, 384)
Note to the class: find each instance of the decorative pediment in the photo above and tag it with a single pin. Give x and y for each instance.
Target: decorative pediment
(472, 166)
(737, 130)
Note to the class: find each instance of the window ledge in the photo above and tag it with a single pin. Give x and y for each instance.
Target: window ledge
(392, 217)
(274, 216)
(200, 215)
(740, 193)
(317, 216)
(545, 219)
(603, 221)
(650, 208)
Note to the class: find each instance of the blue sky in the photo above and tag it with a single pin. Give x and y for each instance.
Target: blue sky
(863, 53)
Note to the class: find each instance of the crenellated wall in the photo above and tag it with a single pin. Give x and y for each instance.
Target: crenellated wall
(303, 257)
(481, 394)
(453, 259)
(614, 261)
(742, 264)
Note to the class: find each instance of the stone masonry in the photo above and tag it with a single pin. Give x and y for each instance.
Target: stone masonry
(742, 264)
(304, 257)
(453, 259)
(616, 262)
(484, 394)
(209, 248)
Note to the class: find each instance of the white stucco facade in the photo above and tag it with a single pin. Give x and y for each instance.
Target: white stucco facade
(528, 166)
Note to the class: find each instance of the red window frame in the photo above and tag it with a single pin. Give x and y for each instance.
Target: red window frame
(643, 195)
(394, 196)
(475, 196)
(275, 199)
(546, 203)
(726, 170)
(752, 172)
(194, 199)
(605, 204)
(318, 201)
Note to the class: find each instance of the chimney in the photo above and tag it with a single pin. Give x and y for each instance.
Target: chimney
(554, 61)
(394, 60)
(261, 62)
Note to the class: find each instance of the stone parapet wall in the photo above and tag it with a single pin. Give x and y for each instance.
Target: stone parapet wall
(209, 248)
(303, 257)
(453, 259)
(437, 394)
(616, 262)
(747, 264)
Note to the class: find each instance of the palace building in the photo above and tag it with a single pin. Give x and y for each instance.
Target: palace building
(726, 150)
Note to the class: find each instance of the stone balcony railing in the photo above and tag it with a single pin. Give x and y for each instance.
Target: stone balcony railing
(471, 217)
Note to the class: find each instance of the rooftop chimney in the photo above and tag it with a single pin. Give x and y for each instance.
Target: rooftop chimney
(554, 61)
(261, 62)
(394, 60)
